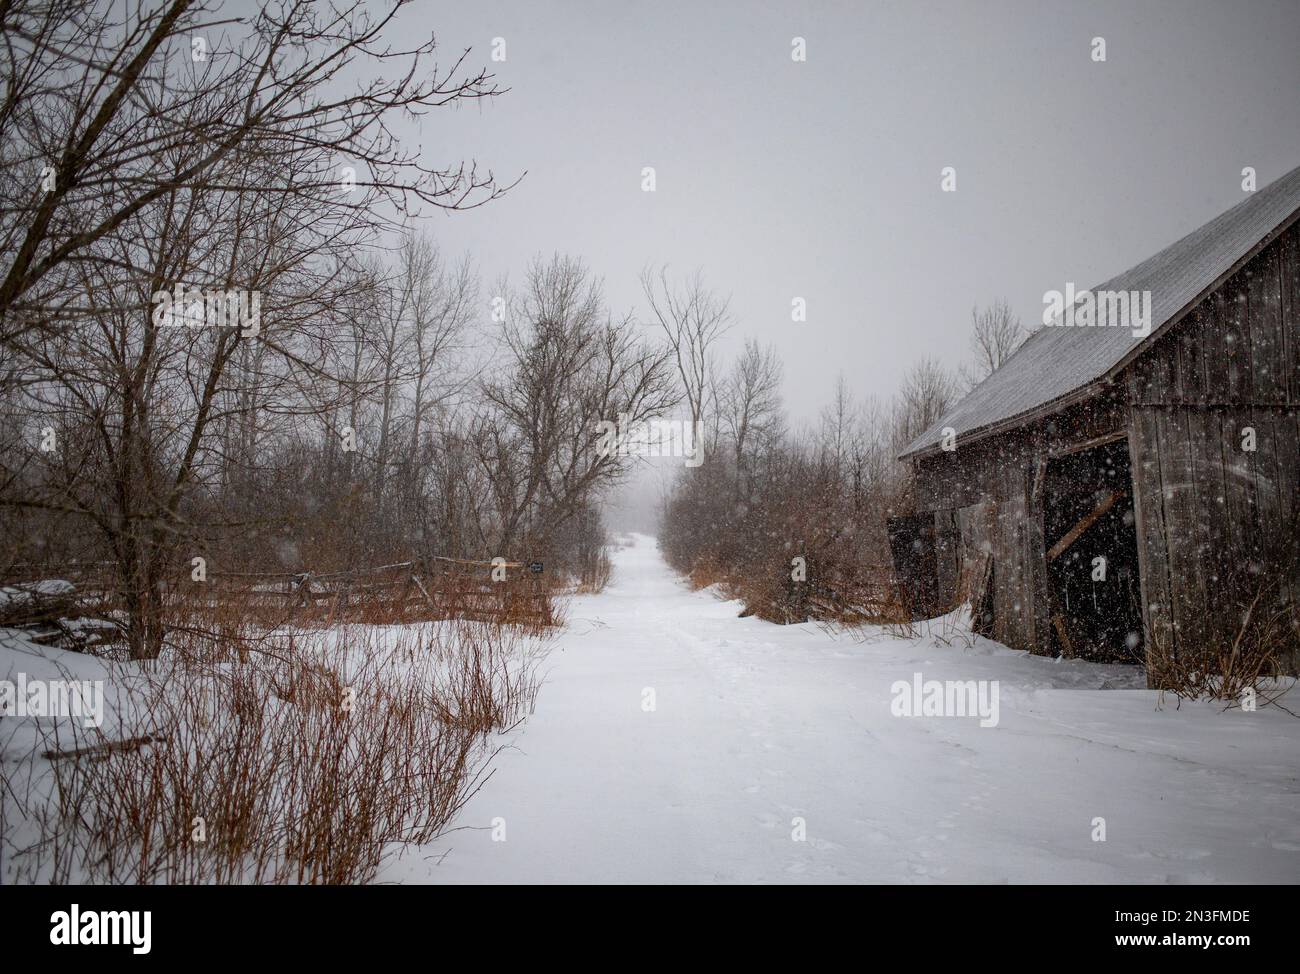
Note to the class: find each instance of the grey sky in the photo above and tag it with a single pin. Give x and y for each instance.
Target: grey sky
(822, 179)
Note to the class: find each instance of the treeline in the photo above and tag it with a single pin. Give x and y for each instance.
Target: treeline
(793, 522)
(357, 397)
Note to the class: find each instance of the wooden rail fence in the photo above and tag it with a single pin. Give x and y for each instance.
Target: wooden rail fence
(432, 588)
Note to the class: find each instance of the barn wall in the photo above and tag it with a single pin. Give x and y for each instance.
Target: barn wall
(974, 473)
(1216, 522)
(992, 490)
(1241, 345)
(982, 487)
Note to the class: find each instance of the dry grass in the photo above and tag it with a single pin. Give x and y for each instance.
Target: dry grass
(707, 572)
(840, 596)
(299, 758)
(1259, 652)
(595, 576)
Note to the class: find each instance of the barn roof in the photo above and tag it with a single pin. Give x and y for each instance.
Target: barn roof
(1058, 366)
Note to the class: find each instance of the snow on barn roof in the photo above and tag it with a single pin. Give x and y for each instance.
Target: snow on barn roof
(1056, 362)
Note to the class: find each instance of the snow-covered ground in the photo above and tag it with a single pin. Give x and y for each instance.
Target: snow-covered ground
(756, 726)
(761, 734)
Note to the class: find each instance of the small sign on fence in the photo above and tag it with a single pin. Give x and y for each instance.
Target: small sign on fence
(535, 567)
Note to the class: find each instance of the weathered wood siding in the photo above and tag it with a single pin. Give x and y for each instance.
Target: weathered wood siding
(1216, 521)
(1240, 345)
(992, 488)
(1205, 508)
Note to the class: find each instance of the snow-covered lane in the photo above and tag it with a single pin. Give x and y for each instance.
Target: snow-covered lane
(758, 728)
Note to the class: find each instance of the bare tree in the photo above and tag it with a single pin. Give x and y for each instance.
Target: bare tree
(442, 310)
(751, 402)
(996, 332)
(870, 457)
(129, 171)
(693, 319)
(568, 367)
(839, 424)
(107, 111)
(927, 391)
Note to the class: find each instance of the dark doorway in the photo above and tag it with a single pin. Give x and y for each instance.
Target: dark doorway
(1092, 560)
(912, 545)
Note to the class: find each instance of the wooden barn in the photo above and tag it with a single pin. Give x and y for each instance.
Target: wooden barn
(1173, 457)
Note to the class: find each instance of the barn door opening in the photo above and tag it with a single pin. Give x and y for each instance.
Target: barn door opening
(1092, 560)
(912, 546)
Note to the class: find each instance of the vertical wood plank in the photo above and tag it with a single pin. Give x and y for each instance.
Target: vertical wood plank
(1180, 523)
(1236, 335)
(1214, 539)
(1136, 381)
(1036, 559)
(1267, 367)
(1148, 507)
(1214, 326)
(1273, 533)
(1286, 425)
(1191, 353)
(1166, 350)
(1240, 500)
(1290, 274)
(1161, 386)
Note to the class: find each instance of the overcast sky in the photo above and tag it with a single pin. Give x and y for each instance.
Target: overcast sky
(821, 179)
